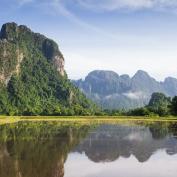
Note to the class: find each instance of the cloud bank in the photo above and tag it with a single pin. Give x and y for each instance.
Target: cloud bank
(22, 2)
(113, 5)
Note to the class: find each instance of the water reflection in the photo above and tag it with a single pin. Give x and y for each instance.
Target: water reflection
(109, 142)
(36, 149)
(41, 149)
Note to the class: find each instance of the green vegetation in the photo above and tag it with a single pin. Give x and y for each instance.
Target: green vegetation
(159, 105)
(29, 148)
(85, 120)
(113, 91)
(37, 148)
(174, 106)
(33, 82)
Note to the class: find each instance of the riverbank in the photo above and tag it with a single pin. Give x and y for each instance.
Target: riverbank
(13, 119)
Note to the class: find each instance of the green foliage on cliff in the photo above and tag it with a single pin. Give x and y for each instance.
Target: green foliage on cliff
(31, 77)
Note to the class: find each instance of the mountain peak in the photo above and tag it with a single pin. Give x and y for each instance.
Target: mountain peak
(122, 91)
(8, 30)
(11, 31)
(103, 74)
(170, 79)
(125, 76)
(16, 41)
(141, 73)
(31, 76)
(99, 72)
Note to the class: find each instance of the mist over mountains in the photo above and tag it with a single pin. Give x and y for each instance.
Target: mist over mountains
(113, 91)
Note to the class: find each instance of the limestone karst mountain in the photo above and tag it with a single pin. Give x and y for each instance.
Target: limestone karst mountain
(112, 91)
(32, 76)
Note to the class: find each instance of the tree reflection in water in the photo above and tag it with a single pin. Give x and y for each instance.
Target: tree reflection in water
(40, 149)
(37, 149)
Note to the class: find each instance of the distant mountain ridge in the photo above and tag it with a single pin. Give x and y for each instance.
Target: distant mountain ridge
(113, 91)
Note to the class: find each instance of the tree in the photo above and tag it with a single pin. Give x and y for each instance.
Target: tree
(174, 106)
(140, 112)
(159, 104)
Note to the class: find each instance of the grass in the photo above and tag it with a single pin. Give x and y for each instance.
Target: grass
(8, 120)
(13, 119)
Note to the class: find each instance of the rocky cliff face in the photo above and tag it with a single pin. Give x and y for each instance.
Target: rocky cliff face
(32, 76)
(112, 91)
(170, 85)
(14, 48)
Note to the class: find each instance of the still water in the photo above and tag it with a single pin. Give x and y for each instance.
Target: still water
(51, 149)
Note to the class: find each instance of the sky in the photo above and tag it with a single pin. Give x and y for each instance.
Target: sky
(119, 35)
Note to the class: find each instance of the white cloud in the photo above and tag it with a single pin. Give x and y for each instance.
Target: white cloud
(22, 2)
(142, 50)
(110, 5)
(59, 8)
(135, 95)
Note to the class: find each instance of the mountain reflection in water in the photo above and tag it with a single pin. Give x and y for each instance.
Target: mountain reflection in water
(51, 149)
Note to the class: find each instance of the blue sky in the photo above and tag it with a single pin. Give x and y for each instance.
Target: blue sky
(119, 35)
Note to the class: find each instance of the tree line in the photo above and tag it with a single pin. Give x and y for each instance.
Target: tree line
(159, 105)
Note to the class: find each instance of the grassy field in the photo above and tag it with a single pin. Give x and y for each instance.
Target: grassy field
(13, 119)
